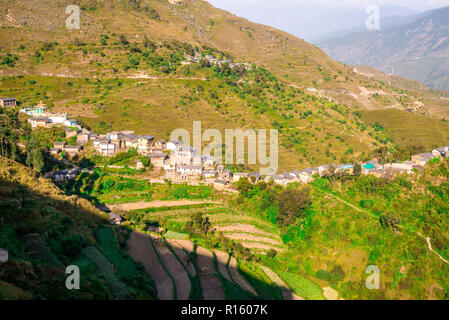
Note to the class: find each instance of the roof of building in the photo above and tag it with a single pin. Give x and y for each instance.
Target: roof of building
(219, 181)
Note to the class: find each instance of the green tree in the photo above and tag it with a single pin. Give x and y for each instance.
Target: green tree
(292, 204)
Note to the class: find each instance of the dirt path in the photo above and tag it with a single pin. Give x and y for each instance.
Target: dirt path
(238, 278)
(140, 249)
(211, 285)
(287, 294)
(156, 204)
(175, 269)
(222, 260)
(180, 251)
(427, 239)
(430, 247)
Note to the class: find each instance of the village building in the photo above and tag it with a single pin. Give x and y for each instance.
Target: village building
(83, 138)
(54, 151)
(255, 176)
(173, 145)
(209, 173)
(220, 185)
(59, 144)
(160, 144)
(170, 170)
(277, 179)
(441, 152)
(72, 150)
(139, 164)
(239, 175)
(69, 133)
(158, 160)
(225, 174)
(8, 102)
(189, 170)
(115, 218)
(144, 144)
(106, 149)
(39, 122)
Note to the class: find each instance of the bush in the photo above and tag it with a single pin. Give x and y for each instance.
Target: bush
(72, 245)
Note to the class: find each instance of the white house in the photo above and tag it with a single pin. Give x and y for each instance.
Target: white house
(239, 175)
(190, 170)
(173, 145)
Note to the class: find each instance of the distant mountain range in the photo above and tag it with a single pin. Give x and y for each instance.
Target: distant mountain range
(415, 47)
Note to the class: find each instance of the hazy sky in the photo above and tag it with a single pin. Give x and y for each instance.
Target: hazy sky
(311, 19)
(417, 5)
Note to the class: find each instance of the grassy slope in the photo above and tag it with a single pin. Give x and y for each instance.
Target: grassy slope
(157, 103)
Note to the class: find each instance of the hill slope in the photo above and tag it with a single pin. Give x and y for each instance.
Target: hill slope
(133, 51)
(418, 50)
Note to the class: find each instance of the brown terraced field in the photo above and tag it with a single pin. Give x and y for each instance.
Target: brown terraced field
(175, 269)
(180, 251)
(141, 250)
(222, 260)
(238, 278)
(212, 289)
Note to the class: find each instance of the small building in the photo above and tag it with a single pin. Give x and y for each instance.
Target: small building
(115, 218)
(239, 175)
(255, 176)
(39, 122)
(106, 149)
(59, 145)
(277, 179)
(55, 151)
(209, 173)
(83, 138)
(69, 133)
(441, 152)
(190, 170)
(220, 185)
(8, 102)
(3, 255)
(72, 150)
(173, 145)
(158, 160)
(160, 144)
(139, 164)
(226, 174)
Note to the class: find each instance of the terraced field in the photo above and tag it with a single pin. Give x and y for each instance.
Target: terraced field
(251, 232)
(174, 267)
(141, 249)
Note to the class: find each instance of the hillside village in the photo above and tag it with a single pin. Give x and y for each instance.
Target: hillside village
(180, 163)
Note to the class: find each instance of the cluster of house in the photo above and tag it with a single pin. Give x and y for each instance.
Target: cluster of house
(63, 175)
(40, 116)
(371, 167)
(111, 143)
(214, 61)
